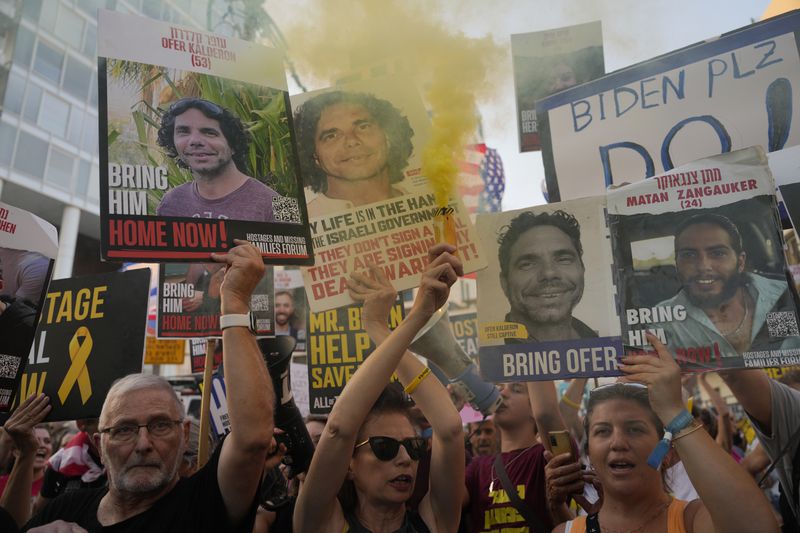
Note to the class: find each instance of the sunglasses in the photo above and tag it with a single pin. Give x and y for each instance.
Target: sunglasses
(177, 108)
(386, 448)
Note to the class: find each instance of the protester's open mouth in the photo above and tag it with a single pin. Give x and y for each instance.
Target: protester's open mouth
(402, 482)
(620, 466)
(356, 158)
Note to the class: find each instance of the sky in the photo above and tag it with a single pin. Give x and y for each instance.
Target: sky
(633, 31)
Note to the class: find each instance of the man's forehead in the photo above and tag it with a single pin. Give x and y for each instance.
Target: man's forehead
(142, 403)
(536, 238)
(193, 115)
(346, 112)
(707, 235)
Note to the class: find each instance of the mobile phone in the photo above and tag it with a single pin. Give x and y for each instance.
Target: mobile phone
(560, 442)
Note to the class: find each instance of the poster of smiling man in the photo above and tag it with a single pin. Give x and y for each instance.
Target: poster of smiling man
(359, 147)
(557, 318)
(196, 146)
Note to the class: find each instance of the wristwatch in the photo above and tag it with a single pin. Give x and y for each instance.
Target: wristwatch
(246, 321)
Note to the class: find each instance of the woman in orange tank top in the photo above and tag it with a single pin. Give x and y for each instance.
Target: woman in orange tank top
(624, 424)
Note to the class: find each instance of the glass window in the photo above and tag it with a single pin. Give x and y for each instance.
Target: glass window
(93, 90)
(82, 183)
(69, 27)
(31, 9)
(53, 115)
(94, 183)
(90, 135)
(30, 154)
(23, 48)
(90, 6)
(48, 15)
(15, 92)
(59, 169)
(90, 40)
(8, 134)
(32, 102)
(77, 78)
(152, 8)
(48, 62)
(75, 126)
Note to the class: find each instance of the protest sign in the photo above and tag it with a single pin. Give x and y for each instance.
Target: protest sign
(189, 298)
(546, 62)
(91, 333)
(28, 246)
(196, 145)
(163, 351)
(359, 149)
(337, 344)
(558, 318)
(699, 259)
(290, 306)
(465, 331)
(716, 96)
(197, 353)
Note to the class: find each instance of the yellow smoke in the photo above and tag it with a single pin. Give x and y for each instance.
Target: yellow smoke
(337, 36)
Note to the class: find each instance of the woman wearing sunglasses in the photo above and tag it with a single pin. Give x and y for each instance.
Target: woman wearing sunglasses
(368, 452)
(629, 429)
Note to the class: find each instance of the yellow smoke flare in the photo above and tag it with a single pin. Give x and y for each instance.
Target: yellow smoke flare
(337, 36)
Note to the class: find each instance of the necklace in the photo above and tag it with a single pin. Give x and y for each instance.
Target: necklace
(744, 318)
(492, 472)
(655, 514)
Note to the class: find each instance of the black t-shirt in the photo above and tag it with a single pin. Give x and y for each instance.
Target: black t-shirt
(195, 504)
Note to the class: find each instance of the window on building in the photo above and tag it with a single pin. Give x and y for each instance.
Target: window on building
(69, 27)
(48, 15)
(33, 100)
(23, 47)
(90, 135)
(59, 169)
(28, 156)
(94, 184)
(84, 173)
(8, 135)
(93, 90)
(48, 62)
(31, 9)
(15, 93)
(77, 78)
(90, 40)
(53, 115)
(75, 126)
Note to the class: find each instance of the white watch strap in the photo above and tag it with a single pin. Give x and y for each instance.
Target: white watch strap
(228, 321)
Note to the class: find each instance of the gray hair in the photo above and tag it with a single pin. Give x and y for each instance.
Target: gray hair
(134, 382)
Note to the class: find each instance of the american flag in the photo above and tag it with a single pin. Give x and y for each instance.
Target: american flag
(482, 180)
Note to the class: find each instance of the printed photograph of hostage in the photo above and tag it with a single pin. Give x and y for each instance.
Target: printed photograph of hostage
(726, 302)
(542, 275)
(353, 149)
(212, 143)
(289, 316)
(18, 309)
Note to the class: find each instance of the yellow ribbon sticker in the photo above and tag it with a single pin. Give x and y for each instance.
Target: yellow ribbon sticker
(502, 330)
(80, 346)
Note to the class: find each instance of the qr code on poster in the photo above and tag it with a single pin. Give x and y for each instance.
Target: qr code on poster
(286, 209)
(9, 364)
(782, 324)
(259, 302)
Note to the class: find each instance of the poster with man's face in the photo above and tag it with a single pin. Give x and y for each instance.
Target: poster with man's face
(699, 253)
(197, 148)
(359, 147)
(546, 301)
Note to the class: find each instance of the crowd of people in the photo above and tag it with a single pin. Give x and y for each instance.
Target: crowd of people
(395, 456)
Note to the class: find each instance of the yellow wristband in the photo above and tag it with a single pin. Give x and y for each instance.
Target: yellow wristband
(417, 380)
(570, 403)
(687, 432)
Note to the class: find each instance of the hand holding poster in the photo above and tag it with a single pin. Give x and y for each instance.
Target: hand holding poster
(196, 145)
(558, 319)
(366, 197)
(189, 301)
(700, 263)
(91, 333)
(28, 246)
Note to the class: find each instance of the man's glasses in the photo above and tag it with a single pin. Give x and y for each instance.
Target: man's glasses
(183, 104)
(386, 448)
(159, 428)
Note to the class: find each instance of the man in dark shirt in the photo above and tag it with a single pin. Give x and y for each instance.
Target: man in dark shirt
(142, 436)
